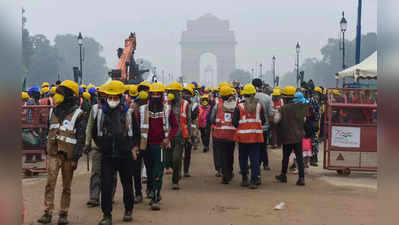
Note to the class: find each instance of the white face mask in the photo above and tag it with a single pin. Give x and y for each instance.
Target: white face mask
(113, 104)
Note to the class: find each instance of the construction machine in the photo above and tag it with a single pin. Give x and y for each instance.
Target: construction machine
(127, 69)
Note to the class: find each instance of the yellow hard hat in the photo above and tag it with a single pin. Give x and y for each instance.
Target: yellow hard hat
(175, 86)
(192, 86)
(83, 86)
(144, 84)
(221, 84)
(336, 92)
(71, 85)
(225, 91)
(114, 87)
(276, 92)
(44, 90)
(318, 89)
(189, 89)
(52, 90)
(198, 85)
(102, 88)
(157, 87)
(86, 95)
(234, 91)
(25, 95)
(249, 89)
(45, 84)
(207, 89)
(133, 90)
(289, 90)
(143, 95)
(205, 97)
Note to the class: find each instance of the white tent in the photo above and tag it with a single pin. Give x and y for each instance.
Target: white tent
(365, 69)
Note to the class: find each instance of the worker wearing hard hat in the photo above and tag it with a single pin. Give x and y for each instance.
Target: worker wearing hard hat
(223, 132)
(248, 118)
(186, 119)
(277, 104)
(204, 111)
(96, 156)
(158, 125)
(291, 133)
(174, 156)
(116, 135)
(65, 143)
(267, 106)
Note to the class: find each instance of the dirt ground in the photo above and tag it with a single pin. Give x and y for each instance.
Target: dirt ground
(203, 200)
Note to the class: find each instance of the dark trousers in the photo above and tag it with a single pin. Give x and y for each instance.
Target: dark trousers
(177, 154)
(275, 141)
(297, 147)
(205, 135)
(187, 156)
(154, 158)
(264, 157)
(109, 166)
(227, 152)
(137, 174)
(252, 151)
(217, 156)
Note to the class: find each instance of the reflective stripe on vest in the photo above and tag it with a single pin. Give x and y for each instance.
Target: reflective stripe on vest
(183, 118)
(249, 128)
(144, 126)
(224, 128)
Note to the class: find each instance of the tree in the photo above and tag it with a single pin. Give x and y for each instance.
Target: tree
(43, 62)
(323, 71)
(27, 46)
(241, 75)
(94, 65)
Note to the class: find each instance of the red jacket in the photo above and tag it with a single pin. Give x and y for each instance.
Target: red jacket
(156, 134)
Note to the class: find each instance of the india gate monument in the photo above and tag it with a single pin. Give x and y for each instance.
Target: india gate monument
(207, 34)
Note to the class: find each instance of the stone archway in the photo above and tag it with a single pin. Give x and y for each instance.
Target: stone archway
(207, 34)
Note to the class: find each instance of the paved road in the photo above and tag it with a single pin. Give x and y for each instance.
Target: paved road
(326, 199)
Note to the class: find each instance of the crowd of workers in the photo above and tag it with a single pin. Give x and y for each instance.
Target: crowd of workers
(148, 130)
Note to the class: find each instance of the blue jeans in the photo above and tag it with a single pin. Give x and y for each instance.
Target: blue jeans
(253, 152)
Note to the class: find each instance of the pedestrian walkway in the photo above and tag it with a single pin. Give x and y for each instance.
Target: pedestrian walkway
(204, 200)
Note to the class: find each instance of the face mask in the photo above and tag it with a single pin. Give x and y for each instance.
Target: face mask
(58, 98)
(171, 97)
(113, 104)
(205, 103)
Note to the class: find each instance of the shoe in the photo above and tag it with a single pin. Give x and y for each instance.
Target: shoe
(128, 216)
(253, 185)
(175, 186)
(138, 199)
(187, 175)
(301, 181)
(155, 206)
(281, 178)
(266, 168)
(46, 218)
(63, 219)
(258, 181)
(218, 174)
(244, 182)
(107, 220)
(225, 181)
(92, 203)
(314, 164)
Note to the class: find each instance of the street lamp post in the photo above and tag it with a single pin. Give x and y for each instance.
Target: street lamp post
(298, 49)
(343, 25)
(80, 43)
(274, 70)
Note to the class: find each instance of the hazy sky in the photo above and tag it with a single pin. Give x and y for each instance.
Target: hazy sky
(263, 28)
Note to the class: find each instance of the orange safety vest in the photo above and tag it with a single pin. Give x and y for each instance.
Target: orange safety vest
(218, 101)
(249, 128)
(183, 118)
(224, 128)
